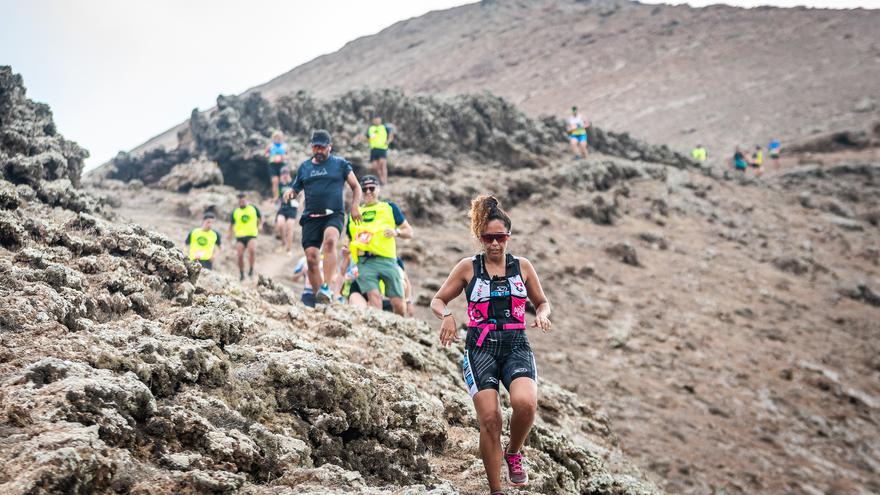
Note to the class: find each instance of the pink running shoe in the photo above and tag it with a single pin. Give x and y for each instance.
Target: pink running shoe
(516, 472)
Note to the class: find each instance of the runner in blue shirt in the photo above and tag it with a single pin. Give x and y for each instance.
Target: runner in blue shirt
(276, 154)
(322, 178)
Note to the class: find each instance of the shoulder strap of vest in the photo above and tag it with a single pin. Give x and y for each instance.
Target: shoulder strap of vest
(512, 269)
(478, 266)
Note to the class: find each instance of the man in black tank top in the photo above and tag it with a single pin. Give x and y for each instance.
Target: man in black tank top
(323, 178)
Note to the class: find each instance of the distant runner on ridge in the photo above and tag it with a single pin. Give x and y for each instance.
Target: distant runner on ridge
(576, 126)
(757, 160)
(380, 136)
(699, 153)
(739, 162)
(322, 178)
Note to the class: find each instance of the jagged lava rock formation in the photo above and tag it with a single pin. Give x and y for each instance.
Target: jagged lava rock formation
(481, 126)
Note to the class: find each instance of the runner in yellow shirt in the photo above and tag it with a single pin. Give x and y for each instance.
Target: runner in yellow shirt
(204, 242)
(245, 223)
(380, 136)
(374, 247)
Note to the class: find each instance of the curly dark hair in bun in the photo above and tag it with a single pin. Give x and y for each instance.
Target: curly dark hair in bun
(484, 208)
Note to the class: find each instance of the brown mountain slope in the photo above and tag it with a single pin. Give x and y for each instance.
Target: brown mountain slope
(727, 328)
(719, 75)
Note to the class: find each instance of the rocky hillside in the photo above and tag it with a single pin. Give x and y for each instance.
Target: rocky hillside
(481, 127)
(671, 74)
(125, 369)
(726, 327)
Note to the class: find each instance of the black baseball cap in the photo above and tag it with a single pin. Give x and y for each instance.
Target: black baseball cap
(321, 138)
(240, 195)
(208, 215)
(369, 180)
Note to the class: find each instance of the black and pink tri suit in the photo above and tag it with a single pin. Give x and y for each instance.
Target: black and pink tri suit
(496, 347)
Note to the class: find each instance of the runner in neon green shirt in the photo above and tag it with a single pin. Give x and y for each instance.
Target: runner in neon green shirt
(245, 223)
(204, 242)
(380, 136)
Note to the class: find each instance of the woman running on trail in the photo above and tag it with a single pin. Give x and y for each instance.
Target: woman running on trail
(496, 350)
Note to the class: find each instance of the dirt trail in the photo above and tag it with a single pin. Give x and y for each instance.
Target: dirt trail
(271, 259)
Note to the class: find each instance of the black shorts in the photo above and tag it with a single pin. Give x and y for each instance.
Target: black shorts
(313, 228)
(755, 165)
(504, 356)
(245, 240)
(287, 212)
(275, 169)
(376, 153)
(207, 264)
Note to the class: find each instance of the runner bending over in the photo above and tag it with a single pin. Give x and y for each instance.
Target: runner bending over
(496, 285)
(775, 148)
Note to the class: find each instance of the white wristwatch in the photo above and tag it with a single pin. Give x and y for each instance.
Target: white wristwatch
(446, 312)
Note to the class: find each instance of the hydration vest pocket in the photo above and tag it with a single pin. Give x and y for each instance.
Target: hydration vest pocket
(499, 298)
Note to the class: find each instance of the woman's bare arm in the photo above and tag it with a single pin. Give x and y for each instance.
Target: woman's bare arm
(536, 295)
(451, 288)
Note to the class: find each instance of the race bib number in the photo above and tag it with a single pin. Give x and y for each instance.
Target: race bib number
(199, 254)
(364, 237)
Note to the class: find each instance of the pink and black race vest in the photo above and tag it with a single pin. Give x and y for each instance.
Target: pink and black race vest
(496, 303)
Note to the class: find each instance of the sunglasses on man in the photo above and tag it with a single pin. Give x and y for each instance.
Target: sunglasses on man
(489, 238)
(369, 189)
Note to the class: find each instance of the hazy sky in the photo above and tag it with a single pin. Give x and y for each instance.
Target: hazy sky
(117, 72)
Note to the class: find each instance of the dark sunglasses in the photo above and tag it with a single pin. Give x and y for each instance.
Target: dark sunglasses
(488, 238)
(369, 189)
